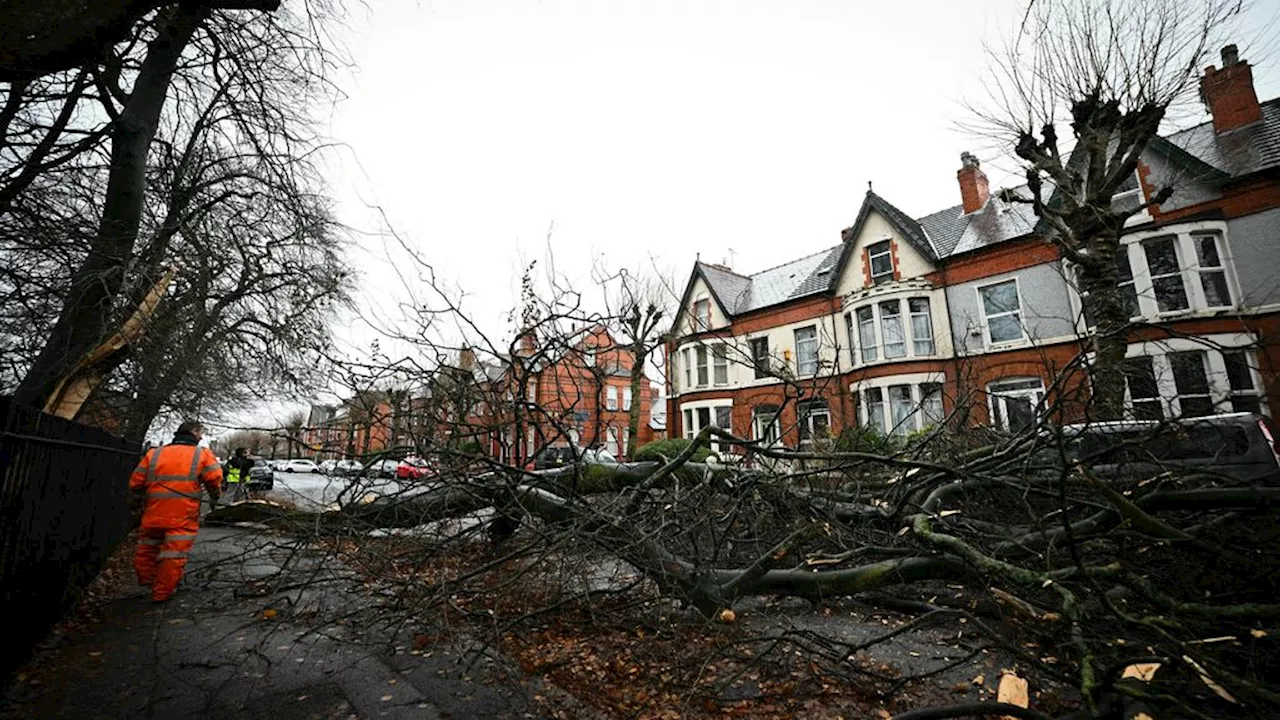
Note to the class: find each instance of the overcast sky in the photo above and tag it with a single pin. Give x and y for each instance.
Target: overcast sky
(743, 131)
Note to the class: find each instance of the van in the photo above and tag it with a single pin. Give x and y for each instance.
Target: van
(1239, 446)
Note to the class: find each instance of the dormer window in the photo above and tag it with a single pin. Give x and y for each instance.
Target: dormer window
(880, 258)
(701, 315)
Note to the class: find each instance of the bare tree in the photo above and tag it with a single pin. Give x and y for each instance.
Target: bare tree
(187, 46)
(1108, 73)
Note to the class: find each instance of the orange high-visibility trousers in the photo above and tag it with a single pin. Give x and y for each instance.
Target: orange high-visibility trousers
(172, 476)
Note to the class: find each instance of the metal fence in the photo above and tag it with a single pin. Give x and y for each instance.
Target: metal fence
(64, 506)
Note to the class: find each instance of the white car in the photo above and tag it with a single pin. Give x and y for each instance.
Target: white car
(304, 466)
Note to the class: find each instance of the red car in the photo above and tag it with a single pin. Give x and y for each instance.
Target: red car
(412, 468)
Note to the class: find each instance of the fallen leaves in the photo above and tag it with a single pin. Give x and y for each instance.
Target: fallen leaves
(728, 616)
(269, 614)
(1141, 671)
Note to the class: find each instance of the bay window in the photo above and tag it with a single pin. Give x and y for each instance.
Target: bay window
(701, 353)
(901, 408)
(703, 416)
(687, 361)
(1165, 273)
(881, 326)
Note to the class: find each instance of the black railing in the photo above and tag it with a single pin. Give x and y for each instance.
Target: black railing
(64, 506)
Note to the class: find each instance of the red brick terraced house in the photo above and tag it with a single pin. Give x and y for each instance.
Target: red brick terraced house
(578, 392)
(969, 313)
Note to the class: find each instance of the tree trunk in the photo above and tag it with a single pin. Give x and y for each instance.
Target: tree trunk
(638, 356)
(86, 314)
(1107, 309)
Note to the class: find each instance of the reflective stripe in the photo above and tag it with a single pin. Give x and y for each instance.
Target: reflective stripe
(173, 494)
(172, 554)
(170, 537)
(193, 473)
(149, 541)
(155, 461)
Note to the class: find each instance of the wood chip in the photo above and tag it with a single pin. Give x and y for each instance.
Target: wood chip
(1141, 671)
(1210, 682)
(1013, 690)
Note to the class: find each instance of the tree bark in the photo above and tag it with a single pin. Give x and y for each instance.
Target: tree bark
(87, 313)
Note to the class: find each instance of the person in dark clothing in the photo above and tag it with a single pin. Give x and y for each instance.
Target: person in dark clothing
(237, 474)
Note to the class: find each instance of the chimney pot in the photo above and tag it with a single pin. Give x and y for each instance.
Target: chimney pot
(974, 189)
(1230, 55)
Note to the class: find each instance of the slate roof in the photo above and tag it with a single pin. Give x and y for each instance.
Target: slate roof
(1238, 152)
(951, 232)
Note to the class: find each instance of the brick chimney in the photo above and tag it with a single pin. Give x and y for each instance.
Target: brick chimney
(1229, 92)
(973, 183)
(528, 344)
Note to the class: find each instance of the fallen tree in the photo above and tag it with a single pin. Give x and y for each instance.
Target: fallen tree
(1089, 561)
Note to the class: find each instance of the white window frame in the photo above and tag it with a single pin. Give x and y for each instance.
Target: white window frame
(1220, 391)
(986, 320)
(719, 363)
(928, 317)
(761, 431)
(687, 354)
(871, 264)
(626, 398)
(998, 397)
(800, 360)
(611, 440)
(703, 370)
(701, 323)
(690, 412)
(611, 398)
(805, 412)
(1188, 258)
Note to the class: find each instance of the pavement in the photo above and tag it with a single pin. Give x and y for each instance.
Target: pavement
(264, 628)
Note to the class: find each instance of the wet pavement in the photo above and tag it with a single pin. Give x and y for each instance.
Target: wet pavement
(264, 628)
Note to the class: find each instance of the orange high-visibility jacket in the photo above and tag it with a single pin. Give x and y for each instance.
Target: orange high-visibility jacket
(172, 476)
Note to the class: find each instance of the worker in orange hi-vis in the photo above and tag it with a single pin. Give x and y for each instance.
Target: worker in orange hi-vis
(171, 476)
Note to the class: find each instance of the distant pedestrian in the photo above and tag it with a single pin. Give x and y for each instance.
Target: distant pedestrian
(237, 474)
(171, 477)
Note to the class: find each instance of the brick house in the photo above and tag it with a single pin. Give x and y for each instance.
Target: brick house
(967, 313)
(578, 391)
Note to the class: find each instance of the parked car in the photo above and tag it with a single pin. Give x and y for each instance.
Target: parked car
(560, 455)
(328, 467)
(1240, 446)
(412, 468)
(300, 465)
(348, 468)
(261, 476)
(384, 468)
